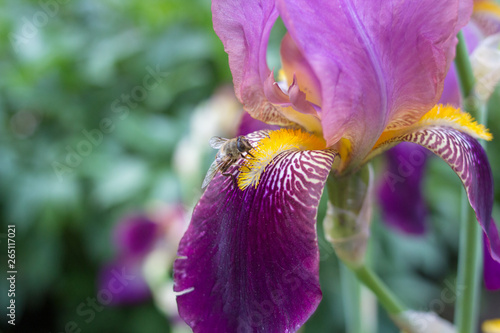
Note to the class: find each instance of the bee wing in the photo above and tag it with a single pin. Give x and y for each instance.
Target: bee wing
(216, 142)
(212, 171)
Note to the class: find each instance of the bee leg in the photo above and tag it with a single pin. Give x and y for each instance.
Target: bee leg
(232, 177)
(248, 153)
(245, 157)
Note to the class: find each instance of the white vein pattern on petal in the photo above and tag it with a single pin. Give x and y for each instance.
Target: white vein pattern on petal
(450, 146)
(287, 184)
(293, 172)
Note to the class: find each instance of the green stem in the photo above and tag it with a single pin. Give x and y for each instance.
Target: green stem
(469, 270)
(470, 250)
(464, 68)
(351, 296)
(386, 298)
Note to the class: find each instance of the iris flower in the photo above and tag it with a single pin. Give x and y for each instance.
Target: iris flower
(138, 239)
(400, 194)
(360, 77)
(134, 237)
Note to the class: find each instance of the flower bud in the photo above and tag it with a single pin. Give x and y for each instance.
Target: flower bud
(485, 61)
(347, 221)
(422, 322)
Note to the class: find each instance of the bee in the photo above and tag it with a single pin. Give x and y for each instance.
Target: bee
(230, 150)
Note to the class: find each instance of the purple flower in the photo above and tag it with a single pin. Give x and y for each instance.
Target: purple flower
(358, 78)
(135, 238)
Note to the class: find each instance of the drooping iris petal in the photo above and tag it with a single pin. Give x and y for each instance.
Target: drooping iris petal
(379, 63)
(249, 259)
(400, 195)
(468, 159)
(452, 135)
(491, 267)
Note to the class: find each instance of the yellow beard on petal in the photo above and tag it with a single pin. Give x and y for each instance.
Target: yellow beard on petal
(270, 147)
(451, 116)
(442, 115)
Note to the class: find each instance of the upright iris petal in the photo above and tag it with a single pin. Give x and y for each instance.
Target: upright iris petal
(379, 63)
(244, 28)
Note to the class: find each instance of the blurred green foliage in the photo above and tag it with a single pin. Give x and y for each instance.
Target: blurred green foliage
(63, 65)
(88, 134)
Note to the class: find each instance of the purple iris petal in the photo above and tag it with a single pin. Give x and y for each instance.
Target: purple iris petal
(468, 159)
(135, 235)
(296, 65)
(451, 91)
(298, 98)
(472, 35)
(403, 205)
(249, 259)
(378, 62)
(244, 28)
(122, 282)
(491, 267)
(249, 125)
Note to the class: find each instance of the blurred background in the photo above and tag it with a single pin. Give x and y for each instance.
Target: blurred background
(106, 108)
